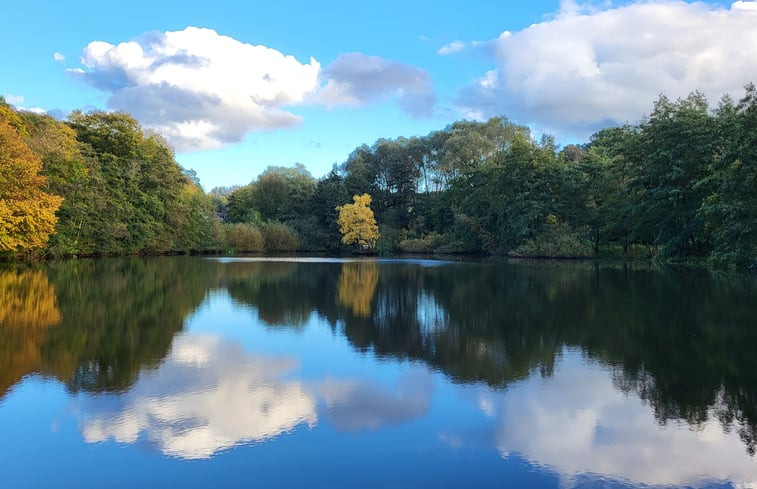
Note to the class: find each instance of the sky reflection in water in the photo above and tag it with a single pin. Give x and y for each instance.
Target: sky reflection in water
(376, 370)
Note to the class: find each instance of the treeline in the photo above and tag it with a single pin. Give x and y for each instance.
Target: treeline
(680, 185)
(122, 190)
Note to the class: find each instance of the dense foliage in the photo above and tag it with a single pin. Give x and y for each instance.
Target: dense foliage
(122, 190)
(357, 223)
(680, 185)
(27, 213)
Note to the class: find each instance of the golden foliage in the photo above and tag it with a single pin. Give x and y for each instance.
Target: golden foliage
(52, 139)
(7, 113)
(27, 214)
(356, 222)
(27, 308)
(357, 284)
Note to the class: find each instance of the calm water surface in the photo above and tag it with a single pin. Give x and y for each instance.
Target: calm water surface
(195, 372)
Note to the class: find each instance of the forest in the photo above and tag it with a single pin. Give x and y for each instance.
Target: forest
(681, 185)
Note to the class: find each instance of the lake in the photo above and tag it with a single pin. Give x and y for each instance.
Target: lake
(206, 372)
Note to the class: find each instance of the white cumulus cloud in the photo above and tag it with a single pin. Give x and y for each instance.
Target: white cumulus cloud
(18, 102)
(202, 89)
(453, 47)
(358, 80)
(585, 67)
(14, 99)
(199, 88)
(59, 57)
(744, 5)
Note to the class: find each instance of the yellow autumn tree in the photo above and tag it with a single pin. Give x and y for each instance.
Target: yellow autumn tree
(27, 214)
(356, 222)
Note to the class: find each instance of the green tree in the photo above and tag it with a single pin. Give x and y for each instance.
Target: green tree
(240, 207)
(279, 194)
(674, 154)
(604, 174)
(360, 174)
(730, 211)
(282, 194)
(68, 175)
(329, 193)
(194, 221)
(142, 186)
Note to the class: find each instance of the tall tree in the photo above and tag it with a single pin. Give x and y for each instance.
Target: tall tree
(675, 153)
(329, 193)
(282, 194)
(357, 223)
(730, 211)
(68, 175)
(27, 213)
(605, 173)
(140, 180)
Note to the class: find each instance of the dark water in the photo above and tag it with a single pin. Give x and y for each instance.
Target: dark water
(193, 372)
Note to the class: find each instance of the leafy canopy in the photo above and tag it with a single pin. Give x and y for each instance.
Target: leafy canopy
(356, 222)
(27, 214)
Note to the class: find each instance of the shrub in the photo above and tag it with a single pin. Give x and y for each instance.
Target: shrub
(388, 240)
(279, 237)
(558, 240)
(464, 237)
(243, 237)
(426, 244)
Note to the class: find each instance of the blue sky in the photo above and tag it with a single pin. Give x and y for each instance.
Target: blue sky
(237, 85)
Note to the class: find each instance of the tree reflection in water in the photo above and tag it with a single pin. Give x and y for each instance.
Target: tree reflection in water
(683, 341)
(357, 286)
(115, 317)
(27, 309)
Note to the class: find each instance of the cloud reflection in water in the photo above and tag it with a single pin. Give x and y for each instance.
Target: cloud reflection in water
(355, 405)
(208, 395)
(577, 422)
